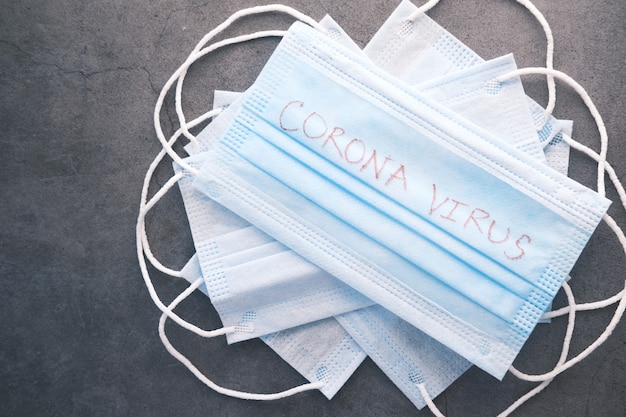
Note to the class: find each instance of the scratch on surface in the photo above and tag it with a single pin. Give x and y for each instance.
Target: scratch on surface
(80, 72)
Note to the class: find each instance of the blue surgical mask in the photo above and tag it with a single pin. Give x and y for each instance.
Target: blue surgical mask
(400, 198)
(404, 353)
(472, 89)
(237, 259)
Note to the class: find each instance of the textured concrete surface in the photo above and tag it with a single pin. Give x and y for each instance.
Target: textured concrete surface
(78, 82)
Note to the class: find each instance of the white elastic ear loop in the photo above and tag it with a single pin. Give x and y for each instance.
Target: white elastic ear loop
(145, 206)
(622, 195)
(429, 401)
(607, 167)
(596, 305)
(604, 140)
(617, 316)
(567, 340)
(549, 58)
(229, 392)
(422, 9)
(523, 399)
(199, 54)
(144, 237)
(196, 53)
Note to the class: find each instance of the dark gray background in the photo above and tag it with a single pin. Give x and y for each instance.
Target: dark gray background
(78, 82)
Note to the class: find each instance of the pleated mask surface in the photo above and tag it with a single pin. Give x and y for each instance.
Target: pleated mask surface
(399, 198)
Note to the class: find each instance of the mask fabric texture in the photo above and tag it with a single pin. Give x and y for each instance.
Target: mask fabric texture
(319, 351)
(439, 53)
(406, 354)
(320, 183)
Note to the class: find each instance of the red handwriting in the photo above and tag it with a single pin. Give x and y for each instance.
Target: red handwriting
(295, 118)
(479, 221)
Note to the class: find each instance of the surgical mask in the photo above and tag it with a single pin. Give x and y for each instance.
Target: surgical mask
(426, 361)
(418, 285)
(259, 397)
(435, 381)
(263, 296)
(398, 354)
(319, 351)
(440, 53)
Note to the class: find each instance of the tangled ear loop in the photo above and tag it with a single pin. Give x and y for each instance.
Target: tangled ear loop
(603, 167)
(143, 246)
(209, 383)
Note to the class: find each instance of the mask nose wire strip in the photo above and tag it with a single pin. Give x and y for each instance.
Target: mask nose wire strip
(198, 51)
(604, 140)
(226, 391)
(524, 398)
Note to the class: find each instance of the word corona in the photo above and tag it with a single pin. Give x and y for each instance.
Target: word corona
(354, 151)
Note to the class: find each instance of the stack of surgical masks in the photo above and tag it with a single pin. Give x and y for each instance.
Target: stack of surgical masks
(406, 202)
